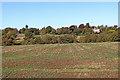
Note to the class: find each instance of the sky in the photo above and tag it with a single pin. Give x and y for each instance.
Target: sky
(58, 14)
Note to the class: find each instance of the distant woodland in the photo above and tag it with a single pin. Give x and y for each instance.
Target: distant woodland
(84, 33)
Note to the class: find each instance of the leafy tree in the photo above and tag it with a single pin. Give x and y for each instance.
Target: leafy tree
(87, 25)
(77, 31)
(9, 38)
(73, 27)
(38, 40)
(6, 30)
(28, 34)
(53, 31)
(90, 30)
(54, 40)
(47, 39)
(43, 31)
(81, 26)
(67, 31)
(29, 39)
(115, 27)
(34, 30)
(67, 38)
(22, 30)
(48, 29)
(59, 31)
(114, 36)
(26, 26)
(84, 31)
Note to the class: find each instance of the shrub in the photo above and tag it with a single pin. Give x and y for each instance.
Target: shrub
(34, 31)
(46, 39)
(77, 31)
(114, 37)
(111, 31)
(43, 31)
(28, 34)
(54, 40)
(94, 38)
(67, 38)
(48, 29)
(8, 39)
(81, 40)
(38, 40)
(28, 41)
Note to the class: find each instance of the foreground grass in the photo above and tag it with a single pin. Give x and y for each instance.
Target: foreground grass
(76, 60)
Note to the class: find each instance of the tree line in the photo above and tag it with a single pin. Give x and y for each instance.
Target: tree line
(72, 34)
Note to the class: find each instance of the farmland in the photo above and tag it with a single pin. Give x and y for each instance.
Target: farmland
(73, 60)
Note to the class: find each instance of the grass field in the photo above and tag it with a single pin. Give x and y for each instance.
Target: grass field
(76, 60)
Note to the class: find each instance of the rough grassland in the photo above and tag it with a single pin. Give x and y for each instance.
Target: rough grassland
(76, 60)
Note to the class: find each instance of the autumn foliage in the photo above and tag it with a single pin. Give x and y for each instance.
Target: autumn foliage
(49, 35)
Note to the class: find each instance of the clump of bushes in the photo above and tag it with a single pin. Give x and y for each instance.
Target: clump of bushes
(38, 40)
(115, 36)
(111, 31)
(67, 38)
(29, 39)
(9, 38)
(111, 37)
(47, 39)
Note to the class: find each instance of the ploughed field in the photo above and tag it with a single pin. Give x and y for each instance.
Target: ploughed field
(75, 60)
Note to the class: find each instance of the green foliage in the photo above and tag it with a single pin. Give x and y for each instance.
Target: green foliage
(49, 29)
(67, 38)
(100, 37)
(111, 31)
(53, 31)
(38, 40)
(59, 31)
(54, 40)
(35, 31)
(77, 31)
(28, 41)
(28, 34)
(87, 25)
(73, 27)
(115, 36)
(28, 38)
(86, 34)
(67, 31)
(84, 31)
(47, 39)
(9, 38)
(43, 31)
(6, 30)
(22, 30)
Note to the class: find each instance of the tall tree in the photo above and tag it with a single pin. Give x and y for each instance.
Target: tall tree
(26, 26)
(87, 25)
(81, 26)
